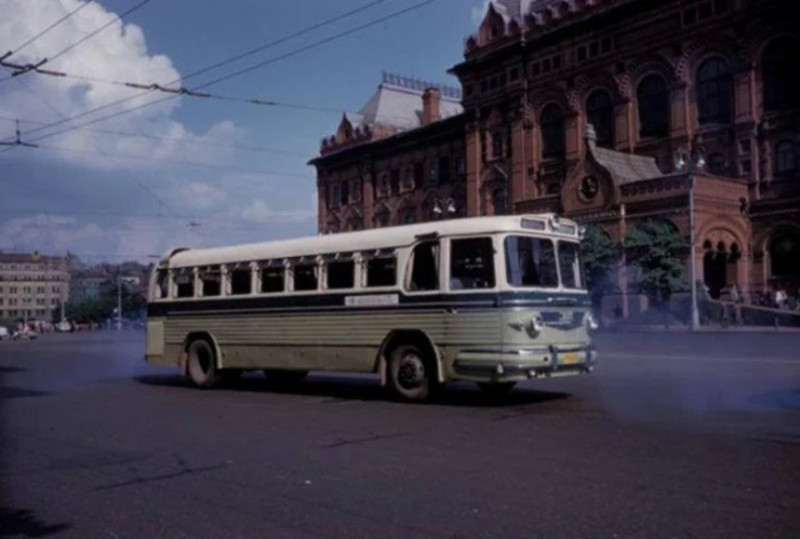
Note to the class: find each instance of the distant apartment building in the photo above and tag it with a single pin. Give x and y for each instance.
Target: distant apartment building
(32, 285)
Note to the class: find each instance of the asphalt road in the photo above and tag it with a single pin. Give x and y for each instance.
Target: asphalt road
(675, 435)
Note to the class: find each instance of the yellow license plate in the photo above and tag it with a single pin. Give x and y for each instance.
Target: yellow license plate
(570, 358)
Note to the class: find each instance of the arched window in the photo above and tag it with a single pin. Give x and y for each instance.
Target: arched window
(500, 201)
(784, 158)
(714, 91)
(653, 102)
(552, 125)
(600, 113)
(780, 76)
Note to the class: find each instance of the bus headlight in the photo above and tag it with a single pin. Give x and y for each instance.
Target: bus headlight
(591, 321)
(537, 323)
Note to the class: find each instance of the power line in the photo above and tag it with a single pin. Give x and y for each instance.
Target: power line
(227, 77)
(126, 172)
(182, 140)
(43, 32)
(273, 43)
(103, 27)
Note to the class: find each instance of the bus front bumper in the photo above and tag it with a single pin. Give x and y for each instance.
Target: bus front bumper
(520, 364)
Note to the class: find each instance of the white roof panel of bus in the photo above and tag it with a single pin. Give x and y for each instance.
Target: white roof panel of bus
(364, 240)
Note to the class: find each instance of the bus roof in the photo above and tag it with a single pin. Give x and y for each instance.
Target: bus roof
(363, 240)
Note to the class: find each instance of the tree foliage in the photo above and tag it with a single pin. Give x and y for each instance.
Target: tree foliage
(600, 258)
(656, 249)
(104, 307)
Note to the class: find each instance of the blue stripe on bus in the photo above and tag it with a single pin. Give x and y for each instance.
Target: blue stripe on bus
(333, 302)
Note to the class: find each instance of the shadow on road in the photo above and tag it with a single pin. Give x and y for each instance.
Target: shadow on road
(22, 522)
(343, 388)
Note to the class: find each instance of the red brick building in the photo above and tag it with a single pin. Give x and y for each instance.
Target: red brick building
(589, 108)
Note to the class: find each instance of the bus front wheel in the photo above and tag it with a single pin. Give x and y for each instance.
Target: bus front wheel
(201, 364)
(410, 375)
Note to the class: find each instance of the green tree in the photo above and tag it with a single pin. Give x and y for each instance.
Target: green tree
(655, 248)
(600, 258)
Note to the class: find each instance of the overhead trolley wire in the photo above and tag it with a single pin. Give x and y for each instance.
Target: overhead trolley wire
(229, 76)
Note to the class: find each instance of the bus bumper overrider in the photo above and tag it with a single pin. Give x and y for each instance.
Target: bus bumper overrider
(518, 364)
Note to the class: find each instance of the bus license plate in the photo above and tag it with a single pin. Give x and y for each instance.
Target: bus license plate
(570, 358)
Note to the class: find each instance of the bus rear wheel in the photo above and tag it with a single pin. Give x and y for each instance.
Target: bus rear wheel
(201, 364)
(411, 373)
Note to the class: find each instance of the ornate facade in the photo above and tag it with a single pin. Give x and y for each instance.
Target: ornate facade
(590, 107)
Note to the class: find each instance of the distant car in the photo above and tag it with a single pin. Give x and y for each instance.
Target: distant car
(63, 326)
(27, 334)
(4, 333)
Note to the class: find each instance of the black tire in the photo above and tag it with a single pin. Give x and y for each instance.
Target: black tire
(201, 364)
(496, 389)
(411, 373)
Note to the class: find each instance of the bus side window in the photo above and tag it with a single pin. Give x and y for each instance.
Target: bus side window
(272, 279)
(239, 278)
(341, 274)
(184, 283)
(162, 284)
(305, 277)
(425, 267)
(211, 279)
(381, 271)
(471, 263)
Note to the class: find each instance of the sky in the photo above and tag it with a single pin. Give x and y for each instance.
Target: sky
(191, 171)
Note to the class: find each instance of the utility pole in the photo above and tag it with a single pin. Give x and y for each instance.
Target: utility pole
(692, 159)
(119, 302)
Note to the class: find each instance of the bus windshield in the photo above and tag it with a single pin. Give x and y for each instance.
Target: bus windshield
(530, 262)
(569, 263)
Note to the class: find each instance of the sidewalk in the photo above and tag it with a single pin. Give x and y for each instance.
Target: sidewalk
(683, 328)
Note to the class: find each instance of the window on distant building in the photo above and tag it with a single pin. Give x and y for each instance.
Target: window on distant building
(551, 121)
(394, 181)
(497, 145)
(384, 187)
(781, 82)
(500, 201)
(433, 177)
(444, 169)
(600, 113)
(344, 194)
(714, 91)
(419, 173)
(653, 102)
(355, 190)
(785, 163)
(408, 179)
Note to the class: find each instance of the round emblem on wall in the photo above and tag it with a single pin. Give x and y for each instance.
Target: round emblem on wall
(589, 188)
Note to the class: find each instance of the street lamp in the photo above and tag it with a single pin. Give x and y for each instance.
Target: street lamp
(443, 208)
(691, 159)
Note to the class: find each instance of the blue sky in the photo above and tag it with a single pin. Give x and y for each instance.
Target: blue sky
(110, 196)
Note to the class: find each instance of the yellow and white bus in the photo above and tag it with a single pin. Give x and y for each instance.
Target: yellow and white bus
(492, 300)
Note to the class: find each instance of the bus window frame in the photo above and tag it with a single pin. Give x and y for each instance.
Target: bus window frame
(329, 258)
(173, 281)
(444, 249)
(155, 285)
(313, 261)
(581, 267)
(229, 270)
(377, 254)
(200, 291)
(271, 263)
(496, 262)
(550, 237)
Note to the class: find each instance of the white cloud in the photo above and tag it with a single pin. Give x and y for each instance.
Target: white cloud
(260, 212)
(118, 53)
